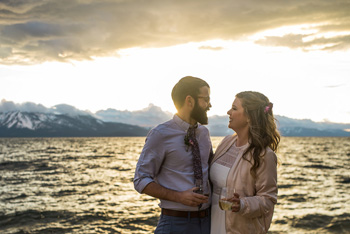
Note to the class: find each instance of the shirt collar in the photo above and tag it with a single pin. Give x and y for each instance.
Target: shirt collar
(182, 124)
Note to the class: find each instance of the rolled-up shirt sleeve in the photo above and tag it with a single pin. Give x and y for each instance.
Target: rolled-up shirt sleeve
(150, 160)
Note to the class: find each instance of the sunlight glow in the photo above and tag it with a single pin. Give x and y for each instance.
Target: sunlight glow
(140, 76)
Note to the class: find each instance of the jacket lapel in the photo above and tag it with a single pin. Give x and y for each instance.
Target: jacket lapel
(223, 147)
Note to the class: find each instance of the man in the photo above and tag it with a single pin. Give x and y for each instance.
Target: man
(169, 164)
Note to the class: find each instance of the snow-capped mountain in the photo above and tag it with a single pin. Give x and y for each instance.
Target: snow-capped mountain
(147, 117)
(35, 121)
(30, 119)
(29, 124)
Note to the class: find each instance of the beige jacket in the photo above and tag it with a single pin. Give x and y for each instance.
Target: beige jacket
(258, 195)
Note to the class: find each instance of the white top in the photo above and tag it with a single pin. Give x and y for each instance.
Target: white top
(218, 175)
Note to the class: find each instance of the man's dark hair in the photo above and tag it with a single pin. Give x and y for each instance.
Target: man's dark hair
(187, 85)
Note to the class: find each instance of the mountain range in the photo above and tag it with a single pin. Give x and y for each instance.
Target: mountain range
(34, 124)
(35, 120)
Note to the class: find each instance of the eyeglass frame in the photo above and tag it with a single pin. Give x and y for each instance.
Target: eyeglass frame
(206, 98)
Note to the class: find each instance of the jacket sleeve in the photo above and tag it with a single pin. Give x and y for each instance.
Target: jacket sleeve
(266, 189)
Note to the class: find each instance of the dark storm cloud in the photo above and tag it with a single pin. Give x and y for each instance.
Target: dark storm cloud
(33, 31)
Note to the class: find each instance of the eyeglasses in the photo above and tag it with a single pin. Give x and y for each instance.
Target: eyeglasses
(206, 99)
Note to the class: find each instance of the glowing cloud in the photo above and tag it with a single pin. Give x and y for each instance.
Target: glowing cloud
(66, 30)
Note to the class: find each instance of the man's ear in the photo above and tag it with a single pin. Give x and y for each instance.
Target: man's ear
(189, 101)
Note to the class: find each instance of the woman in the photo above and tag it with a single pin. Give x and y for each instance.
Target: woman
(246, 161)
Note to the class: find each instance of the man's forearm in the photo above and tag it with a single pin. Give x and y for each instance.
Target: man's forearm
(155, 190)
(188, 197)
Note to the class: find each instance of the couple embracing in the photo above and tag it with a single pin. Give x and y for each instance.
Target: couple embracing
(177, 165)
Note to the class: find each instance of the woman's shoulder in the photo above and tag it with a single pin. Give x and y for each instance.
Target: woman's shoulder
(270, 154)
(227, 140)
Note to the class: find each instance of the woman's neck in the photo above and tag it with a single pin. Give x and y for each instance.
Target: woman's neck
(242, 139)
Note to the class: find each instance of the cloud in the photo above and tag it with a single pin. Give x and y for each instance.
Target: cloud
(335, 86)
(297, 41)
(33, 31)
(8, 106)
(147, 117)
(5, 52)
(291, 40)
(69, 110)
(210, 48)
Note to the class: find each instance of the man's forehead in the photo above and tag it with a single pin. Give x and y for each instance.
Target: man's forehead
(205, 90)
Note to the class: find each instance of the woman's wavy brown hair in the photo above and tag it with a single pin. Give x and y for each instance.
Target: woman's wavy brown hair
(262, 126)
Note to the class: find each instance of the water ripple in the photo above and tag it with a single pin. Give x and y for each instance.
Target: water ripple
(84, 185)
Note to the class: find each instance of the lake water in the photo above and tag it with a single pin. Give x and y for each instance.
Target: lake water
(84, 185)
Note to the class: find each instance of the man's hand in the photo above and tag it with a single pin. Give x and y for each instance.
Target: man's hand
(191, 198)
(188, 197)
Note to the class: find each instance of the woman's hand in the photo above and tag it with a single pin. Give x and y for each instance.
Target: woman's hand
(236, 206)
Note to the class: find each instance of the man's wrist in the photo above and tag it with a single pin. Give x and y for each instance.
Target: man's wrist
(174, 196)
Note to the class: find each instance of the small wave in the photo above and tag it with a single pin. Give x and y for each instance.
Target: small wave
(47, 231)
(26, 218)
(312, 221)
(44, 167)
(23, 195)
(285, 186)
(47, 221)
(15, 165)
(138, 223)
(105, 216)
(337, 224)
(26, 165)
(340, 224)
(100, 156)
(88, 183)
(51, 148)
(64, 193)
(344, 180)
(295, 197)
(121, 169)
(317, 166)
(299, 179)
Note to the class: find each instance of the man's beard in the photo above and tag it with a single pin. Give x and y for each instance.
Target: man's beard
(199, 114)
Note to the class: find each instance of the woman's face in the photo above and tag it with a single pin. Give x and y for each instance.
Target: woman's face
(238, 118)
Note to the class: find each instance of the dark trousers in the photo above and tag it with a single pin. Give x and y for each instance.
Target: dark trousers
(180, 225)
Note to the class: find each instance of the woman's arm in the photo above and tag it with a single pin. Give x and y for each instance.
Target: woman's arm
(266, 189)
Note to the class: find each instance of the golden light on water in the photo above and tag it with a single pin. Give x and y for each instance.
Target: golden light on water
(85, 185)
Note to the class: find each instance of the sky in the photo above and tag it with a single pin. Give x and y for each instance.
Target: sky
(126, 54)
